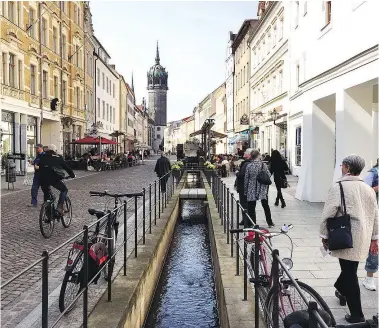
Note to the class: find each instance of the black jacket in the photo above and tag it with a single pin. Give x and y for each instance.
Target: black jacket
(240, 180)
(163, 166)
(278, 168)
(47, 164)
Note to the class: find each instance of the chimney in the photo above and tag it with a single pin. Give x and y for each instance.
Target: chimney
(261, 9)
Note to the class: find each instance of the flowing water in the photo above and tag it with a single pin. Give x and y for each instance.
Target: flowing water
(185, 295)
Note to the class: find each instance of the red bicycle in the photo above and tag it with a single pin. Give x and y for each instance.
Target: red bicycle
(290, 299)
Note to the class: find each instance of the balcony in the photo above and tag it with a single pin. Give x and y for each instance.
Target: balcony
(12, 92)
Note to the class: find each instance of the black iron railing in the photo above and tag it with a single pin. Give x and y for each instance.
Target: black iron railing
(150, 202)
(230, 211)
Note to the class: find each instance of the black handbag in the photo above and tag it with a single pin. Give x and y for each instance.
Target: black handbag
(263, 178)
(283, 183)
(339, 228)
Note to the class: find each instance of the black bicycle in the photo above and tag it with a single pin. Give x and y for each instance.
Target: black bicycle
(49, 213)
(73, 280)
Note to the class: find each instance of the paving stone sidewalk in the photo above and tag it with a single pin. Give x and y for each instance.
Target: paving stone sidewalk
(309, 265)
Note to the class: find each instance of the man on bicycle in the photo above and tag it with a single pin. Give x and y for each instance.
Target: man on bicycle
(51, 174)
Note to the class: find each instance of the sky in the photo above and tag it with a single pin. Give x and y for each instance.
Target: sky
(192, 38)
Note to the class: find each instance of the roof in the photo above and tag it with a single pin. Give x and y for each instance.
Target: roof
(243, 31)
(188, 119)
(97, 40)
(129, 88)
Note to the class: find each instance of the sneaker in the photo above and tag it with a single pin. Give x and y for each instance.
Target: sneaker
(369, 283)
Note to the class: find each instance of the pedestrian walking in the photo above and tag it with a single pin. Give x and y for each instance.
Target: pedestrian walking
(162, 168)
(351, 198)
(254, 190)
(371, 266)
(240, 186)
(36, 180)
(278, 167)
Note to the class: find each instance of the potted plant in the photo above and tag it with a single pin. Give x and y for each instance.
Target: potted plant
(209, 169)
(176, 170)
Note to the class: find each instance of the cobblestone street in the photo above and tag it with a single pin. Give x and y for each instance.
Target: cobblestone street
(22, 242)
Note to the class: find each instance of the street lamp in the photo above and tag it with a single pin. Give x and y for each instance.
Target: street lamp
(274, 115)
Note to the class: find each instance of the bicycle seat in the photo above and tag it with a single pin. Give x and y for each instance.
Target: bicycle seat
(99, 214)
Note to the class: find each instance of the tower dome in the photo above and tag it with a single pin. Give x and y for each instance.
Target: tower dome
(157, 75)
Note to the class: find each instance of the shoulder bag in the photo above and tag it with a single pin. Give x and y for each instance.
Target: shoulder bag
(283, 183)
(339, 228)
(263, 178)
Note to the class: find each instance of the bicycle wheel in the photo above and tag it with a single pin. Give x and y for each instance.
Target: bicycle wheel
(71, 284)
(46, 219)
(110, 266)
(290, 301)
(67, 208)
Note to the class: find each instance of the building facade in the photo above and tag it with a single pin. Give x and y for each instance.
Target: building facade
(219, 99)
(333, 91)
(269, 77)
(242, 64)
(229, 93)
(157, 90)
(42, 59)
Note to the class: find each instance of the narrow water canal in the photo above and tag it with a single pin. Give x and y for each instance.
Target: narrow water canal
(185, 295)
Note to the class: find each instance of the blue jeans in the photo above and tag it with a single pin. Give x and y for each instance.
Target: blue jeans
(371, 263)
(34, 190)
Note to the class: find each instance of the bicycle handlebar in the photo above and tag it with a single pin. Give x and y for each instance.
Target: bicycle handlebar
(284, 229)
(105, 193)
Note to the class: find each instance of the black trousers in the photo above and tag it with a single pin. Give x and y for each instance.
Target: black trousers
(59, 185)
(348, 286)
(251, 210)
(279, 195)
(243, 202)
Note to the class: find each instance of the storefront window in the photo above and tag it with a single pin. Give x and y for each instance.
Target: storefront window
(31, 135)
(7, 130)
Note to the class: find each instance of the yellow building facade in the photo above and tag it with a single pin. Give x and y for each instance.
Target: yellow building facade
(42, 58)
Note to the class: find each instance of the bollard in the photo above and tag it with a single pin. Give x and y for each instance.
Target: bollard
(159, 198)
(150, 208)
(275, 285)
(155, 202)
(135, 227)
(85, 277)
(231, 225)
(45, 289)
(227, 216)
(237, 240)
(125, 235)
(244, 271)
(144, 216)
(222, 204)
(110, 253)
(256, 275)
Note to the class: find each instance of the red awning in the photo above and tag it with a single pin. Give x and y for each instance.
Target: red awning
(95, 141)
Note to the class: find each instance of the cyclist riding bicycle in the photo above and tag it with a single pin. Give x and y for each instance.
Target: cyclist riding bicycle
(52, 174)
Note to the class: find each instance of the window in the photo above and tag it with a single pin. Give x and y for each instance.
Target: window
(274, 36)
(103, 109)
(64, 47)
(158, 136)
(98, 76)
(298, 147)
(274, 86)
(107, 112)
(328, 12)
(44, 32)
(32, 79)
(56, 93)
(269, 45)
(19, 13)
(20, 69)
(114, 87)
(297, 13)
(280, 82)
(158, 128)
(12, 73)
(114, 115)
(31, 31)
(11, 15)
(98, 107)
(103, 81)
(297, 74)
(281, 24)
(111, 114)
(76, 55)
(305, 7)
(110, 87)
(44, 84)
(55, 40)
(64, 87)
(107, 85)
(75, 14)
(63, 6)
(90, 66)
(78, 96)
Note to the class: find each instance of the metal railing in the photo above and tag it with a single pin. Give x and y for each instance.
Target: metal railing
(153, 204)
(231, 211)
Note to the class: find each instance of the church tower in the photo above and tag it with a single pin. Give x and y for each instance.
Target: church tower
(157, 91)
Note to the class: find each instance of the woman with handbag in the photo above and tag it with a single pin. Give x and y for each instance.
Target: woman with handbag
(256, 184)
(349, 229)
(277, 167)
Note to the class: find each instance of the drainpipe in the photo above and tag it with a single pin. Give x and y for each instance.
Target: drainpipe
(40, 67)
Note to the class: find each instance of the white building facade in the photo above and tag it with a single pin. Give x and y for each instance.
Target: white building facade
(229, 87)
(107, 111)
(333, 54)
(269, 77)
